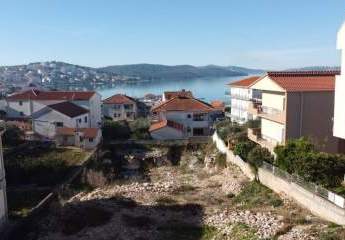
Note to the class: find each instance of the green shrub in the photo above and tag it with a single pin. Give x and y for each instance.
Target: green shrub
(13, 136)
(221, 160)
(140, 128)
(258, 155)
(115, 130)
(242, 149)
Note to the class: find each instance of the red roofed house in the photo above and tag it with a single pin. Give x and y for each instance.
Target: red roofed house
(24, 104)
(52, 121)
(182, 117)
(171, 94)
(241, 96)
(294, 105)
(120, 107)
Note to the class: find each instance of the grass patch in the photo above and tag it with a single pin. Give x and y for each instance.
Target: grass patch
(184, 189)
(243, 232)
(177, 230)
(74, 218)
(165, 201)
(255, 195)
(41, 166)
(20, 203)
(221, 160)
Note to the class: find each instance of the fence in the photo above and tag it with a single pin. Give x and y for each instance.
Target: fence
(309, 186)
(317, 199)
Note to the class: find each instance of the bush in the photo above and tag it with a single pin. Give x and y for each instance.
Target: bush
(13, 136)
(258, 155)
(140, 128)
(115, 130)
(242, 149)
(233, 132)
(220, 160)
(299, 157)
(253, 123)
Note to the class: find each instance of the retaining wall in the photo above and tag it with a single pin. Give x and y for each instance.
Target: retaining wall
(314, 203)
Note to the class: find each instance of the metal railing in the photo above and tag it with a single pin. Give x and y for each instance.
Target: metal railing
(308, 186)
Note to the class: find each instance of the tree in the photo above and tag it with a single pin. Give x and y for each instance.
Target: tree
(115, 130)
(258, 155)
(140, 128)
(243, 148)
(12, 136)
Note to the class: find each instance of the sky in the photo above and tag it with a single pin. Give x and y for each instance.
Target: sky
(268, 34)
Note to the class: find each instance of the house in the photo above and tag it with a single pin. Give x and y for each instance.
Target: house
(241, 96)
(294, 105)
(47, 120)
(24, 104)
(182, 117)
(87, 138)
(171, 94)
(120, 107)
(339, 100)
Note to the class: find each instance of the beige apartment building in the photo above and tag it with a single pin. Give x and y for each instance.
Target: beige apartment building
(294, 105)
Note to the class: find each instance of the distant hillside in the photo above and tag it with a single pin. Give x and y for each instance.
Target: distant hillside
(156, 71)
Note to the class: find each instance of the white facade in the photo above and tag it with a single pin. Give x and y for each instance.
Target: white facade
(240, 100)
(25, 108)
(46, 124)
(118, 112)
(194, 124)
(272, 131)
(339, 109)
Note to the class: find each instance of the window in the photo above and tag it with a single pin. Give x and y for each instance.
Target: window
(189, 129)
(79, 120)
(189, 116)
(199, 117)
(198, 131)
(85, 119)
(21, 113)
(128, 106)
(20, 103)
(59, 124)
(117, 106)
(90, 139)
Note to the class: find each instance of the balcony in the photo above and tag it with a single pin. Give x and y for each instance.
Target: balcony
(254, 134)
(254, 108)
(272, 114)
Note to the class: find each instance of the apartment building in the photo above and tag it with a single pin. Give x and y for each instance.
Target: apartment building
(339, 100)
(294, 105)
(182, 117)
(23, 104)
(241, 97)
(120, 107)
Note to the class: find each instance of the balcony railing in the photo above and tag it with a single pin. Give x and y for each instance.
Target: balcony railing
(255, 135)
(240, 96)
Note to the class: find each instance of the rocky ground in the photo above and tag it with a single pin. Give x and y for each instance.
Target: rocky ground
(181, 202)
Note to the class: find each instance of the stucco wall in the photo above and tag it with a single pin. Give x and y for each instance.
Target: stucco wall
(272, 130)
(303, 109)
(274, 100)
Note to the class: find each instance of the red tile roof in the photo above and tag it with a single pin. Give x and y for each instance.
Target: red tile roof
(119, 99)
(87, 132)
(166, 123)
(182, 93)
(69, 109)
(183, 104)
(244, 83)
(35, 94)
(218, 104)
(305, 80)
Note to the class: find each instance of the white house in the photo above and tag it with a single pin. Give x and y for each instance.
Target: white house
(241, 96)
(87, 138)
(182, 117)
(339, 109)
(24, 104)
(64, 114)
(120, 107)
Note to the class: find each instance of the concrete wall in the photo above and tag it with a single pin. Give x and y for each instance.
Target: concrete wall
(315, 204)
(303, 108)
(274, 100)
(166, 133)
(272, 131)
